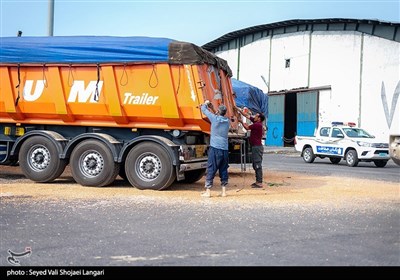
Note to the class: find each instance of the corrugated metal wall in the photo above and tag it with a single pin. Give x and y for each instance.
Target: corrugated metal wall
(276, 111)
(307, 118)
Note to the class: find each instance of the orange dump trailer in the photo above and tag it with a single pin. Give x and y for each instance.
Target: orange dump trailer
(109, 106)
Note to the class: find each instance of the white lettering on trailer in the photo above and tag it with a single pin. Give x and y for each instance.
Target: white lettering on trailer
(27, 93)
(79, 93)
(188, 73)
(83, 95)
(144, 99)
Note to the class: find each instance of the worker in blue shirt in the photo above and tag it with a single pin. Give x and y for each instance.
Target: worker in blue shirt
(218, 155)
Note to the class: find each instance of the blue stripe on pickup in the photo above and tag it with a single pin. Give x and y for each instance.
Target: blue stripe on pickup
(329, 150)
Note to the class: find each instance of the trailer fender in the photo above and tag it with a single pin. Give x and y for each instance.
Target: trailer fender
(170, 146)
(113, 144)
(59, 141)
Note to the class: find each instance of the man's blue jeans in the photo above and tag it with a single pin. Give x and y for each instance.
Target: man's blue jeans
(218, 160)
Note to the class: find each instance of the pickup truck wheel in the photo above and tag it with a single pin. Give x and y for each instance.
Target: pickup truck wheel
(308, 155)
(335, 160)
(149, 166)
(92, 164)
(352, 158)
(39, 160)
(380, 163)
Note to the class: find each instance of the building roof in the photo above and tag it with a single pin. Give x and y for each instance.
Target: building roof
(387, 30)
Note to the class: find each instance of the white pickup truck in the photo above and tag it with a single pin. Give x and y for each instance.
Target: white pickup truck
(343, 141)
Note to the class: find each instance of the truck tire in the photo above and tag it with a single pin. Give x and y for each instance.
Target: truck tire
(351, 158)
(308, 155)
(149, 166)
(39, 161)
(335, 160)
(92, 164)
(380, 163)
(193, 176)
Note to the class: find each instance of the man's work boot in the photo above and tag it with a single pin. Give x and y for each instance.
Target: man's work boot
(207, 193)
(257, 185)
(223, 193)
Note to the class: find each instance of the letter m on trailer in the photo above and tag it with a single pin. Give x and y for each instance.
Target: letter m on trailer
(78, 91)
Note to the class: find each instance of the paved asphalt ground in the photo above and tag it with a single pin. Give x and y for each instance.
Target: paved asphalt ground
(146, 231)
(151, 232)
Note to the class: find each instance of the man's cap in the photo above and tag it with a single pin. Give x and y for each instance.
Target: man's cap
(222, 110)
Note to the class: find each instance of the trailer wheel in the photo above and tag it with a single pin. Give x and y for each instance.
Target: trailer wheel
(149, 166)
(193, 176)
(92, 164)
(335, 160)
(308, 155)
(380, 163)
(39, 161)
(352, 158)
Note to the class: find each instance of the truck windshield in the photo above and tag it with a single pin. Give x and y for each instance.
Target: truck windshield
(357, 133)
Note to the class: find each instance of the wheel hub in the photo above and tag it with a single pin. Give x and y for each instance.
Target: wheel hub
(92, 164)
(149, 167)
(40, 158)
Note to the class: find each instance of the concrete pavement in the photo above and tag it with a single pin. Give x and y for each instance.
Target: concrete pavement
(279, 150)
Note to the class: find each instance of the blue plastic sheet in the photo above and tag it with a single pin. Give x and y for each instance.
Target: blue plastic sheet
(83, 49)
(104, 50)
(250, 96)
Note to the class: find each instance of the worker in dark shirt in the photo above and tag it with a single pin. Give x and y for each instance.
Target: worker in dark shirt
(257, 149)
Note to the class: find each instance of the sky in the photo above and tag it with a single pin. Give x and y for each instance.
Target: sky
(197, 22)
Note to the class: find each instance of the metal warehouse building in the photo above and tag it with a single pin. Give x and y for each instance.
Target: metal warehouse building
(319, 71)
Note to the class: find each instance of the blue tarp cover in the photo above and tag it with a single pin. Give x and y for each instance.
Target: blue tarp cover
(83, 49)
(250, 96)
(104, 50)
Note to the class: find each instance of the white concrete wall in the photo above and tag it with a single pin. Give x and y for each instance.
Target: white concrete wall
(293, 46)
(254, 63)
(325, 110)
(231, 57)
(380, 78)
(335, 62)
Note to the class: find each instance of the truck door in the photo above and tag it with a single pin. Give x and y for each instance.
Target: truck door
(332, 146)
